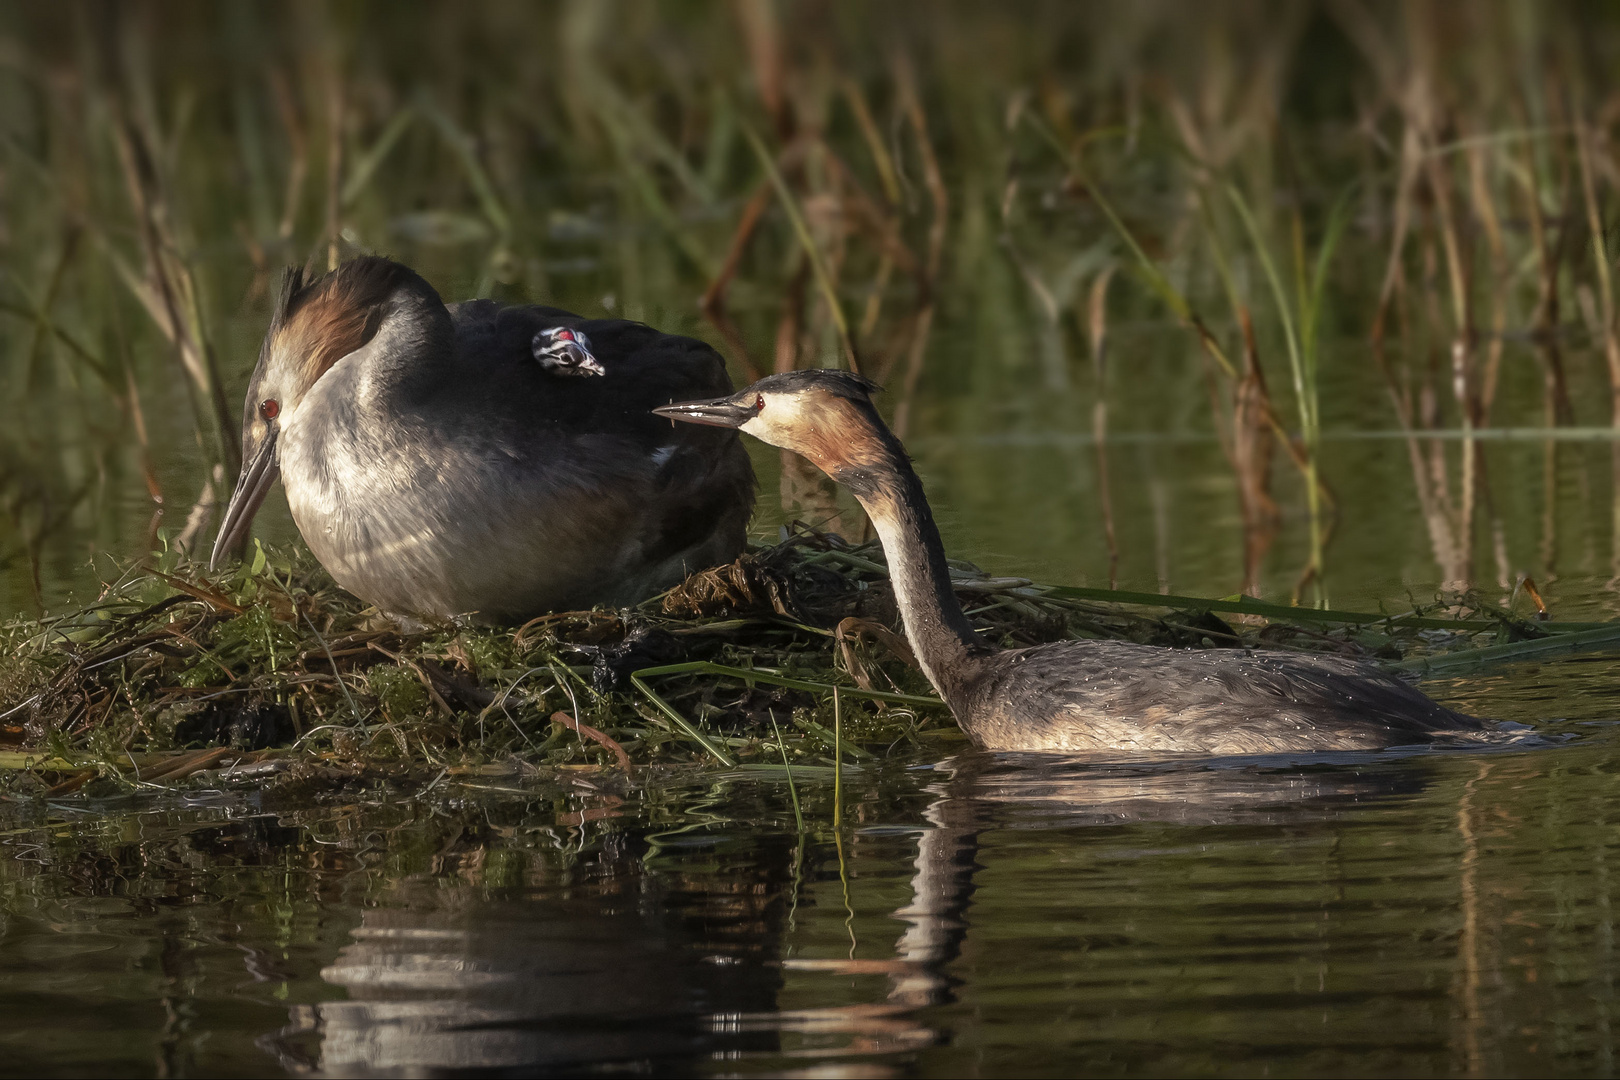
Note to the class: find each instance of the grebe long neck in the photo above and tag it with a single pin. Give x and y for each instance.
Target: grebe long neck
(939, 632)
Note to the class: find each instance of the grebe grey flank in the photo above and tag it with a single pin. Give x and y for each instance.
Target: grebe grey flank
(1072, 695)
(480, 459)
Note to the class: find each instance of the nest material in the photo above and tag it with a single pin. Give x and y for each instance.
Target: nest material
(273, 659)
(752, 585)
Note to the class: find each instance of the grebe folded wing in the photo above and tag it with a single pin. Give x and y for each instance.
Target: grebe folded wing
(1120, 695)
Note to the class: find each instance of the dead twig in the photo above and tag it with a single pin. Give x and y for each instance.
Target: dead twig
(576, 726)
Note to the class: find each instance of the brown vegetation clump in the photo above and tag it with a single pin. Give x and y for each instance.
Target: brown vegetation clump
(749, 586)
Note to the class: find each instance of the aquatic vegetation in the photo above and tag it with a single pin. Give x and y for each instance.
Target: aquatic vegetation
(786, 659)
(969, 206)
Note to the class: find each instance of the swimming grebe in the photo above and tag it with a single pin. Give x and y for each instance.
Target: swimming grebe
(480, 459)
(1072, 695)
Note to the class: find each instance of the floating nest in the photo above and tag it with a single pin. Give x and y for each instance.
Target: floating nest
(789, 657)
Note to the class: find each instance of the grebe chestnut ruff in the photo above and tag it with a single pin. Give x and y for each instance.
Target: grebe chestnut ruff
(1072, 695)
(483, 460)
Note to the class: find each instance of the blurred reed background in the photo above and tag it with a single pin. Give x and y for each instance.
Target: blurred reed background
(1276, 224)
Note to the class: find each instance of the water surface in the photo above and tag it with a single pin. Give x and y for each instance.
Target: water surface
(1391, 913)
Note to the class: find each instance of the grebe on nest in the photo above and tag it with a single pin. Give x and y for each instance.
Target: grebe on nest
(480, 459)
(1072, 695)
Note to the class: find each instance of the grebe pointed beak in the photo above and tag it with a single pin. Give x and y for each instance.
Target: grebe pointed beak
(258, 474)
(722, 412)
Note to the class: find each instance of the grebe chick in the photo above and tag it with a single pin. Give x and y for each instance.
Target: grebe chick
(1072, 695)
(480, 459)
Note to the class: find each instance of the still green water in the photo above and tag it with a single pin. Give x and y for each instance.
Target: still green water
(1393, 914)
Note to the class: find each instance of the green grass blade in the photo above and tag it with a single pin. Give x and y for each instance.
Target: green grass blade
(646, 187)
(793, 792)
(337, 673)
(1285, 313)
(1155, 278)
(366, 167)
(1217, 251)
(462, 145)
(1247, 605)
(628, 125)
(1310, 316)
(704, 667)
(680, 722)
(838, 763)
(1535, 649)
(803, 772)
(802, 230)
(1146, 268)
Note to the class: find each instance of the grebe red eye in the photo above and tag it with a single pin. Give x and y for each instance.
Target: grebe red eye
(759, 402)
(269, 408)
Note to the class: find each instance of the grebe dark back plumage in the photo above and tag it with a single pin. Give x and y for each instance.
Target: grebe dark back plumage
(480, 459)
(1072, 695)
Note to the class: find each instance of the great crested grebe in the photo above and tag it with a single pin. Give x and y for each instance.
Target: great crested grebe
(1072, 695)
(479, 459)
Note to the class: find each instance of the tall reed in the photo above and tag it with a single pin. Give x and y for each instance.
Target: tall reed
(841, 185)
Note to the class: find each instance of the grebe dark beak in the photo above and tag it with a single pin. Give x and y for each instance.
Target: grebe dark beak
(722, 412)
(258, 474)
